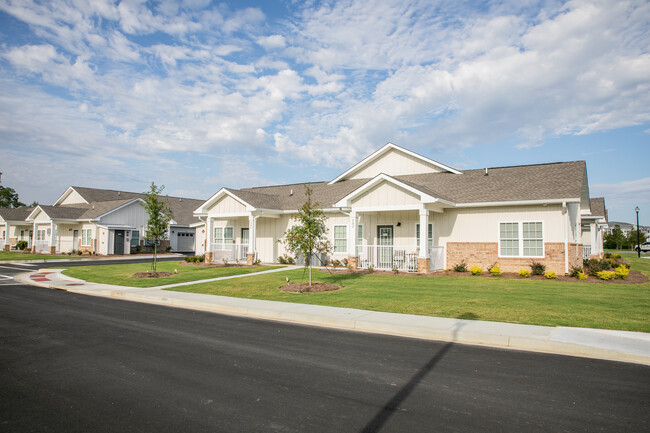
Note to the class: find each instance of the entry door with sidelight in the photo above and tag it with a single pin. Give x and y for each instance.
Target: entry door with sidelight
(385, 247)
(244, 241)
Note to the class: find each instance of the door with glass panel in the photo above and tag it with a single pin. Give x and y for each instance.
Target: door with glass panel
(385, 247)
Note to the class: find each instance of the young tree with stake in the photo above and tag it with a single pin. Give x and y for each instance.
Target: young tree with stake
(159, 216)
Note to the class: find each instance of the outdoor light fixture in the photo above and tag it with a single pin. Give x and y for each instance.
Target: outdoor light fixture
(638, 236)
(399, 224)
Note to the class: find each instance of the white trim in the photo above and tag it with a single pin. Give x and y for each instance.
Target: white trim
(518, 202)
(424, 197)
(229, 215)
(384, 149)
(97, 218)
(520, 238)
(334, 238)
(66, 194)
(215, 197)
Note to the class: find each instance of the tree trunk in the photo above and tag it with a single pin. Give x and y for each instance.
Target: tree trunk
(153, 264)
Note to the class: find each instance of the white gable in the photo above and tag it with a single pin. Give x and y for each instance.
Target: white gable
(386, 194)
(393, 161)
(70, 196)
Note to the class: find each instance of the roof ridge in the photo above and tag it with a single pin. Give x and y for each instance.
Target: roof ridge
(527, 165)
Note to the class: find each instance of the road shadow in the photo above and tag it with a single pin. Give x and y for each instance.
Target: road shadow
(392, 405)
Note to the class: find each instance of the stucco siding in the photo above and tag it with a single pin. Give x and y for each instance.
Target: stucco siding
(394, 163)
(386, 194)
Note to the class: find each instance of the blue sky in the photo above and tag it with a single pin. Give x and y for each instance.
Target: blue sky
(197, 95)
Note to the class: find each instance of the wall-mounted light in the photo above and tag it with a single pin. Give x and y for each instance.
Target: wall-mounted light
(399, 224)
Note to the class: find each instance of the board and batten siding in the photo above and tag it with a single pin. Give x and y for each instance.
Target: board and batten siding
(386, 194)
(226, 205)
(73, 198)
(132, 215)
(394, 163)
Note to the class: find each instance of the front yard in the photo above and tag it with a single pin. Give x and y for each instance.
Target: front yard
(121, 275)
(19, 255)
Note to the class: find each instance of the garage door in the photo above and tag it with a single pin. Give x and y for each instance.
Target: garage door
(185, 242)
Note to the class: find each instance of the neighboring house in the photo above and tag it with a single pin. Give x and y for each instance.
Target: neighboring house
(594, 226)
(104, 222)
(13, 227)
(399, 210)
(626, 228)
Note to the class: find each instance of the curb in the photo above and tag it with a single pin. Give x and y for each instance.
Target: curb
(530, 338)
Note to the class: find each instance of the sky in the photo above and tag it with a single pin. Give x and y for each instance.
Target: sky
(197, 95)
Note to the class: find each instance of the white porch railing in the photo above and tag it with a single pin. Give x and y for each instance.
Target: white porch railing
(2, 244)
(586, 251)
(42, 246)
(387, 257)
(230, 252)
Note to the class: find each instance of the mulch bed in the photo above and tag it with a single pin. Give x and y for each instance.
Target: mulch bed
(315, 287)
(635, 277)
(152, 274)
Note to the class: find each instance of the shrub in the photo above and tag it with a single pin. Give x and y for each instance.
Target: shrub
(622, 272)
(596, 266)
(195, 259)
(582, 276)
(616, 256)
(608, 255)
(550, 275)
(460, 267)
(585, 263)
(21, 245)
(606, 275)
(495, 270)
(524, 273)
(575, 270)
(395, 271)
(345, 262)
(476, 270)
(537, 268)
(257, 262)
(168, 248)
(138, 249)
(282, 260)
(79, 253)
(335, 263)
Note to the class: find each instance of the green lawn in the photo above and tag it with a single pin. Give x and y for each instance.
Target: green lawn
(551, 303)
(121, 275)
(17, 255)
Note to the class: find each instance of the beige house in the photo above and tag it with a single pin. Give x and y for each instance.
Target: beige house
(399, 210)
(93, 220)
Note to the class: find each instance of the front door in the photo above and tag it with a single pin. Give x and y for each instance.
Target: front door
(385, 247)
(119, 242)
(244, 241)
(75, 239)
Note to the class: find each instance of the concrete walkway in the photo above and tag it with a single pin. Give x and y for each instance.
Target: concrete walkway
(585, 342)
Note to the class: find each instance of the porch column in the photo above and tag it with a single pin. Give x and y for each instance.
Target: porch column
(593, 238)
(34, 238)
(7, 239)
(252, 235)
(424, 265)
(208, 240)
(353, 259)
(52, 244)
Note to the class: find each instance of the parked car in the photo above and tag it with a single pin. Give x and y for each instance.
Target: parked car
(645, 247)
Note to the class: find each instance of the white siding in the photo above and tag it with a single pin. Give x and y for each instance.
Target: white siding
(199, 240)
(386, 194)
(226, 205)
(132, 215)
(394, 163)
(403, 236)
(73, 198)
(269, 231)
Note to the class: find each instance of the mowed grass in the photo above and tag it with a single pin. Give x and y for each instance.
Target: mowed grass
(550, 303)
(17, 255)
(122, 275)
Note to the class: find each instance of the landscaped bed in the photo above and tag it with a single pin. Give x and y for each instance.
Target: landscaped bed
(123, 275)
(514, 300)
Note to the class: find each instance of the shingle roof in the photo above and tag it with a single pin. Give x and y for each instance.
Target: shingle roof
(182, 208)
(15, 214)
(562, 180)
(597, 205)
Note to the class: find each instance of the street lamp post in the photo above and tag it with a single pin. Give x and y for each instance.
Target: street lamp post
(638, 236)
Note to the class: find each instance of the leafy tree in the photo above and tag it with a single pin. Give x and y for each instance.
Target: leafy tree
(615, 239)
(159, 216)
(307, 237)
(34, 204)
(9, 198)
(632, 239)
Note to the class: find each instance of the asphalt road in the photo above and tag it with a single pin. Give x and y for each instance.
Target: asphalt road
(74, 363)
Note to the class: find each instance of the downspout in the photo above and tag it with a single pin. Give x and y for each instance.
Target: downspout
(566, 237)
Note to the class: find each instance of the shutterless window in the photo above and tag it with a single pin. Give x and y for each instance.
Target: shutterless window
(223, 236)
(340, 239)
(429, 235)
(533, 239)
(85, 237)
(509, 239)
(135, 238)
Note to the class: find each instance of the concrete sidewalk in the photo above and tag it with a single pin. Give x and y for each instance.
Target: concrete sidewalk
(585, 342)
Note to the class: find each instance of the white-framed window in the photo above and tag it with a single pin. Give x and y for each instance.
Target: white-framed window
(429, 235)
(40, 235)
(135, 238)
(360, 235)
(3, 235)
(341, 239)
(86, 237)
(22, 235)
(521, 239)
(223, 236)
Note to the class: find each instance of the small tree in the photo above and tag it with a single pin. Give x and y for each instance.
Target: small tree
(615, 239)
(308, 235)
(632, 238)
(9, 197)
(159, 216)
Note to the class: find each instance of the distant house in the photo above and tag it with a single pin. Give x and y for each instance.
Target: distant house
(14, 227)
(98, 221)
(594, 227)
(396, 209)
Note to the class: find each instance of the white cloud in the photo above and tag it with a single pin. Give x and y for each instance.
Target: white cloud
(272, 42)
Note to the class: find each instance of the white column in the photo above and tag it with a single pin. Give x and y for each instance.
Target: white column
(593, 238)
(208, 235)
(51, 234)
(423, 235)
(252, 233)
(352, 235)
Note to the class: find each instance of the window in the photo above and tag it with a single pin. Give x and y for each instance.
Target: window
(22, 235)
(360, 235)
(340, 239)
(40, 235)
(429, 235)
(135, 238)
(3, 235)
(223, 236)
(86, 237)
(524, 239)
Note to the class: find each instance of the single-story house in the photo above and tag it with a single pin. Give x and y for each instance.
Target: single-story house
(396, 209)
(14, 227)
(98, 221)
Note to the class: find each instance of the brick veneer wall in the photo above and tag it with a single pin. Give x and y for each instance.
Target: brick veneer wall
(485, 254)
